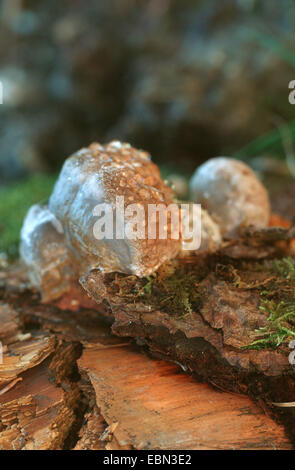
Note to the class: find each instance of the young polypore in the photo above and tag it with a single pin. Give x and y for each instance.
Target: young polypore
(210, 236)
(43, 248)
(232, 194)
(89, 185)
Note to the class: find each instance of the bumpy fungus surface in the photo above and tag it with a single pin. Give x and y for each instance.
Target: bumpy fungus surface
(211, 238)
(97, 175)
(43, 248)
(93, 176)
(230, 191)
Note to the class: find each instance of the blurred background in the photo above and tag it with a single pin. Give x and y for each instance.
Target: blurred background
(186, 80)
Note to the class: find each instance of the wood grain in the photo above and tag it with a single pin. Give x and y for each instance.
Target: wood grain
(158, 407)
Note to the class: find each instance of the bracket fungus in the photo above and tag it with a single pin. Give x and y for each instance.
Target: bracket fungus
(232, 194)
(95, 177)
(43, 249)
(210, 235)
(65, 239)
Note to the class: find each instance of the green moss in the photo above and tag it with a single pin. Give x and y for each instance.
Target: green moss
(274, 280)
(15, 200)
(175, 288)
(278, 304)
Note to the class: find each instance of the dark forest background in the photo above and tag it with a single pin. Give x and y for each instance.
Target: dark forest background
(186, 80)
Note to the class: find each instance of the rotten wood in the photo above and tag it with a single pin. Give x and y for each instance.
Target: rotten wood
(74, 385)
(210, 342)
(155, 406)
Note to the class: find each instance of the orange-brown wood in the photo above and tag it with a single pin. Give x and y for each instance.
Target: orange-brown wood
(278, 221)
(153, 405)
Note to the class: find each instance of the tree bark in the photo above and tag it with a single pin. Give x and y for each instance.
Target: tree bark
(67, 382)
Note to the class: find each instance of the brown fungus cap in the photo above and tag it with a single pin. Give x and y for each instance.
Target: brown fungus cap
(98, 175)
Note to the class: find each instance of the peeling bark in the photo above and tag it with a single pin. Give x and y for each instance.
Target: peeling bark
(69, 383)
(209, 342)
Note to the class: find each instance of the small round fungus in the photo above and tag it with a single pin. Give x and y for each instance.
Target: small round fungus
(232, 194)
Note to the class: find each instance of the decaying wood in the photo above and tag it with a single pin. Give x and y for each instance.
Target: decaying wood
(91, 432)
(41, 400)
(23, 355)
(211, 342)
(155, 406)
(28, 412)
(9, 324)
(259, 244)
(41, 409)
(218, 332)
(68, 382)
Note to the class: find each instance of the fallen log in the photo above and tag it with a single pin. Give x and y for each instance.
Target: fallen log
(211, 316)
(93, 389)
(150, 404)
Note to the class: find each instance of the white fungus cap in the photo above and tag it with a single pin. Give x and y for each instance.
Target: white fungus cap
(232, 194)
(211, 237)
